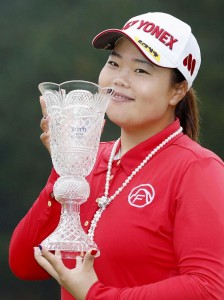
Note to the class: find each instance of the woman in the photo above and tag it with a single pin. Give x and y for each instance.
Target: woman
(161, 228)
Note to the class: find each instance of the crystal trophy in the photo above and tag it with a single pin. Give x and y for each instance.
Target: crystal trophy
(76, 111)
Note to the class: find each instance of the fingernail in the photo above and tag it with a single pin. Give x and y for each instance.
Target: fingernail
(109, 91)
(93, 252)
(40, 247)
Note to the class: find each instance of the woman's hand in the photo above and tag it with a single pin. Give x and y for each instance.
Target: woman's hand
(44, 125)
(76, 281)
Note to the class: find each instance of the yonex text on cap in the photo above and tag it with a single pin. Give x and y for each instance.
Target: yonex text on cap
(163, 39)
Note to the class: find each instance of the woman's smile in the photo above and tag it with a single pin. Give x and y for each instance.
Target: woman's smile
(120, 97)
(138, 100)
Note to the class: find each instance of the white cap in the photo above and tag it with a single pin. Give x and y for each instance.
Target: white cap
(163, 39)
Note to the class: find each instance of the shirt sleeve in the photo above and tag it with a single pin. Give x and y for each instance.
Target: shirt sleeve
(38, 223)
(198, 242)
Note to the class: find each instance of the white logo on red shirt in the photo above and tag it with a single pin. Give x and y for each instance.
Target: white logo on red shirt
(141, 195)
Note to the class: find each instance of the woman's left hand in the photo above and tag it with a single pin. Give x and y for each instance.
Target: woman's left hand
(76, 281)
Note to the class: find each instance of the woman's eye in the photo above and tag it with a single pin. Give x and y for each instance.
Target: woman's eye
(141, 71)
(112, 63)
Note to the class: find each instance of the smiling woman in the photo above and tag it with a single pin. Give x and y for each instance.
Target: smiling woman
(156, 206)
(139, 105)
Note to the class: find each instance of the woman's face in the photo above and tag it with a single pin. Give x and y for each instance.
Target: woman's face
(144, 99)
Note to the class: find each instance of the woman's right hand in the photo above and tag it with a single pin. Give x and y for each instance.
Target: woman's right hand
(44, 125)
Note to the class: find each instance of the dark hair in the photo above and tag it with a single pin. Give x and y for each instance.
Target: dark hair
(187, 109)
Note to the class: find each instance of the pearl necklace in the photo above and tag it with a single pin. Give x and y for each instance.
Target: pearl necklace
(105, 200)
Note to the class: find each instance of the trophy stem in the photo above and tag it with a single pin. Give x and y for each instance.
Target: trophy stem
(69, 236)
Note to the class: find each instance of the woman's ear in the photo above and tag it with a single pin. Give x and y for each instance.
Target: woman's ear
(180, 90)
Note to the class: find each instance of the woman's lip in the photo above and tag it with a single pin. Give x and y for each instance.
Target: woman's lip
(121, 97)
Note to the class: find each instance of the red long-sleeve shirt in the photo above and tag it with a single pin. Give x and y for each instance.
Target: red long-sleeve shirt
(161, 238)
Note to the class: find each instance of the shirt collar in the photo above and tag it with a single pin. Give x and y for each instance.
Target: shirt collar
(131, 159)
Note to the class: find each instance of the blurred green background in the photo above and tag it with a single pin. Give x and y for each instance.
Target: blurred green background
(46, 40)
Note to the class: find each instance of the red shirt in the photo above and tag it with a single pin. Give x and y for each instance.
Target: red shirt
(161, 238)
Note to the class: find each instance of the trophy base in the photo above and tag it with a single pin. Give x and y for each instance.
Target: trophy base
(69, 249)
(69, 237)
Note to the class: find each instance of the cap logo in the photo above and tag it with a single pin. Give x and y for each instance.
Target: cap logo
(159, 33)
(149, 49)
(190, 63)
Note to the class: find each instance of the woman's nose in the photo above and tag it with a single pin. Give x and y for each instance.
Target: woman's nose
(122, 79)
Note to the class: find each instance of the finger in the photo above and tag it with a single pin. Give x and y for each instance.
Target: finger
(45, 264)
(43, 106)
(45, 139)
(57, 252)
(44, 123)
(55, 262)
(79, 261)
(89, 259)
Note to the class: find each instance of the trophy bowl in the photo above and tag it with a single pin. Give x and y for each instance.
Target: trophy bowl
(76, 111)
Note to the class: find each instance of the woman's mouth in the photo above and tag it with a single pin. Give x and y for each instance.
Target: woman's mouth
(119, 97)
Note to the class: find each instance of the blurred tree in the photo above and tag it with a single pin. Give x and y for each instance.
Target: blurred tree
(51, 41)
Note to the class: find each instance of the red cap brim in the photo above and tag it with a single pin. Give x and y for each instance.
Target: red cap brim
(107, 38)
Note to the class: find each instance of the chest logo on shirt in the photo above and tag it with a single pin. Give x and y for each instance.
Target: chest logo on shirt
(141, 195)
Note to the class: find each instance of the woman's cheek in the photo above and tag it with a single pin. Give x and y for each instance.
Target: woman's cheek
(101, 78)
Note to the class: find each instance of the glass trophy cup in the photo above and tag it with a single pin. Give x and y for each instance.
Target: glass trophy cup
(76, 111)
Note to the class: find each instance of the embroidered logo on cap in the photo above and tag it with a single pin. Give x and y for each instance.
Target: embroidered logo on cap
(190, 63)
(158, 32)
(141, 195)
(149, 49)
